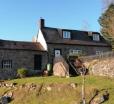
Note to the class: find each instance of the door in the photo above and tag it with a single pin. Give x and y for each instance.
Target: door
(37, 62)
(57, 52)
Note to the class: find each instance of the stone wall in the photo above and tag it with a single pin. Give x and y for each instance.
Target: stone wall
(101, 67)
(86, 50)
(20, 59)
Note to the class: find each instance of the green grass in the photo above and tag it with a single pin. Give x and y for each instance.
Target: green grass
(60, 95)
(46, 80)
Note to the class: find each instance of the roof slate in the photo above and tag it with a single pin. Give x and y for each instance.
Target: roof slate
(54, 35)
(18, 45)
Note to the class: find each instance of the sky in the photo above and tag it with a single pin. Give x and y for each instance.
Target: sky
(19, 18)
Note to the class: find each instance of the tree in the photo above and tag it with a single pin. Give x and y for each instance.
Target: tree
(107, 24)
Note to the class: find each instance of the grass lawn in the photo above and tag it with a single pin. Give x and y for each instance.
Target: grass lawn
(60, 95)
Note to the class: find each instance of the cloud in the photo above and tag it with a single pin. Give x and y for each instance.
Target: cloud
(106, 3)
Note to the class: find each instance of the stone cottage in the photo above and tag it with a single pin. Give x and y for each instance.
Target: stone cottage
(57, 41)
(16, 54)
(49, 43)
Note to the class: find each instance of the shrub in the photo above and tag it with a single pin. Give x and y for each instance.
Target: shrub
(22, 72)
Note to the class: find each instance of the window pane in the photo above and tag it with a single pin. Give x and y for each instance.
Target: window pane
(57, 52)
(75, 52)
(6, 63)
(96, 37)
(66, 34)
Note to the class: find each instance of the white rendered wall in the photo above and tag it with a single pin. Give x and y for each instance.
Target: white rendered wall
(41, 40)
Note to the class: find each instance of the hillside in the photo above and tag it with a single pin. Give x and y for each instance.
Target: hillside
(54, 90)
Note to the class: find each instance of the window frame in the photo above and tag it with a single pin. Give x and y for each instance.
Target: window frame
(6, 64)
(75, 51)
(66, 34)
(57, 49)
(99, 52)
(96, 37)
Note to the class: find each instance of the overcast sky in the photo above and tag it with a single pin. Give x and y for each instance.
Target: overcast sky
(19, 18)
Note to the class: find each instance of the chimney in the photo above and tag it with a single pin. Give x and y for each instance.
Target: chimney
(41, 23)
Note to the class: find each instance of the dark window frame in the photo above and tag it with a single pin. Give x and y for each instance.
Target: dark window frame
(7, 64)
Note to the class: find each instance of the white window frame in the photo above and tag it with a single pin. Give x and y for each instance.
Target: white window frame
(75, 51)
(66, 34)
(6, 64)
(96, 37)
(99, 52)
(57, 52)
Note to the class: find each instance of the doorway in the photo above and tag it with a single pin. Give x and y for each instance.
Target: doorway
(37, 62)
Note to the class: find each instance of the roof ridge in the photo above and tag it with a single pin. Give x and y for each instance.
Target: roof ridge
(71, 29)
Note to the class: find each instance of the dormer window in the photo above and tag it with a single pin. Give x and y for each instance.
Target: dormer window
(66, 34)
(96, 37)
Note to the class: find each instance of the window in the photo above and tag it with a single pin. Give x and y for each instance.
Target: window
(57, 52)
(99, 52)
(96, 37)
(66, 35)
(75, 52)
(7, 64)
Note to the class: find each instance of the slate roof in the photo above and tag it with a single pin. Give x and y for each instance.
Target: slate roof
(54, 35)
(19, 45)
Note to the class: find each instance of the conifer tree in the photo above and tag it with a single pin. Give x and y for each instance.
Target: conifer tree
(107, 24)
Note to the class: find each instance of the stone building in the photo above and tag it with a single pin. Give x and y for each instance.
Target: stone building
(15, 54)
(49, 43)
(57, 41)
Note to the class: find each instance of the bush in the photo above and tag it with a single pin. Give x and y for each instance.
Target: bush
(22, 72)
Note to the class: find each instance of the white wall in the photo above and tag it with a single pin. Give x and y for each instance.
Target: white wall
(42, 40)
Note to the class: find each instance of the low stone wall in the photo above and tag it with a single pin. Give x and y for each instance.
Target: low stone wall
(101, 67)
(7, 74)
